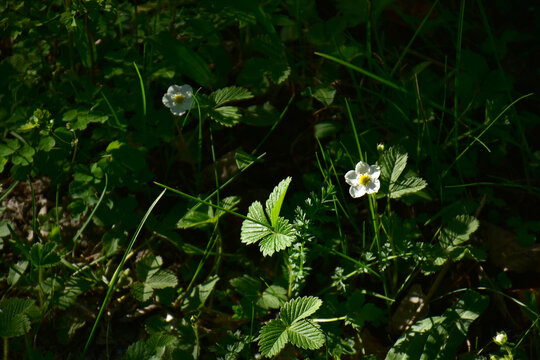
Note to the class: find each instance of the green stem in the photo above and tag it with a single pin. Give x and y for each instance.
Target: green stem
(341, 318)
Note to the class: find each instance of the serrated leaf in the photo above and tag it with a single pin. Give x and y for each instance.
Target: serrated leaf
(251, 231)
(458, 231)
(243, 159)
(14, 320)
(306, 335)
(16, 271)
(275, 200)
(273, 337)
(231, 93)
(225, 115)
(162, 279)
(393, 162)
(281, 238)
(299, 308)
(141, 291)
(406, 186)
(439, 337)
(272, 297)
(44, 255)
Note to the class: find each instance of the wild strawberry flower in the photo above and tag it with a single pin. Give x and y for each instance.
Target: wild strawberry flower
(178, 99)
(364, 179)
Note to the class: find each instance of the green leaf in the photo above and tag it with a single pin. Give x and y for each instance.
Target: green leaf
(281, 238)
(243, 159)
(251, 231)
(226, 115)
(458, 231)
(9, 147)
(14, 320)
(141, 291)
(275, 200)
(16, 271)
(46, 143)
(44, 255)
(406, 186)
(393, 162)
(299, 308)
(324, 94)
(272, 297)
(306, 335)
(228, 94)
(162, 279)
(275, 237)
(246, 285)
(273, 337)
(439, 337)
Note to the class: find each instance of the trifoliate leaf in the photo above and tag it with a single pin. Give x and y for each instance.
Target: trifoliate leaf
(458, 231)
(306, 335)
(406, 186)
(275, 235)
(232, 93)
(281, 238)
(225, 115)
(273, 337)
(141, 291)
(299, 308)
(275, 200)
(44, 255)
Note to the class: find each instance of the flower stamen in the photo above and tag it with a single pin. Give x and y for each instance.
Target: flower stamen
(364, 180)
(179, 98)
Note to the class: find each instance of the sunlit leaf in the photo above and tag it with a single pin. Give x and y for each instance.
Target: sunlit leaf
(273, 337)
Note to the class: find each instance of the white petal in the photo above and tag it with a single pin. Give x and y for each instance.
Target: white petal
(357, 191)
(167, 100)
(186, 90)
(173, 90)
(361, 167)
(374, 171)
(350, 177)
(373, 186)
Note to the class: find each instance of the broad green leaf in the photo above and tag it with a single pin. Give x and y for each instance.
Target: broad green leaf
(324, 94)
(9, 147)
(273, 337)
(306, 334)
(14, 320)
(199, 294)
(299, 308)
(439, 337)
(141, 291)
(272, 297)
(458, 231)
(251, 231)
(246, 285)
(281, 238)
(275, 200)
(406, 186)
(198, 216)
(225, 115)
(232, 93)
(162, 279)
(393, 162)
(44, 255)
(46, 143)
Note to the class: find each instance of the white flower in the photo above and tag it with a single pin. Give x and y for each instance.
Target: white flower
(500, 338)
(178, 99)
(364, 179)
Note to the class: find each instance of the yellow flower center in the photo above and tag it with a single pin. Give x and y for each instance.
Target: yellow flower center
(179, 98)
(364, 180)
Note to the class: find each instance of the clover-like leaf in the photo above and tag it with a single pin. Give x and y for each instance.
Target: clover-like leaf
(274, 235)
